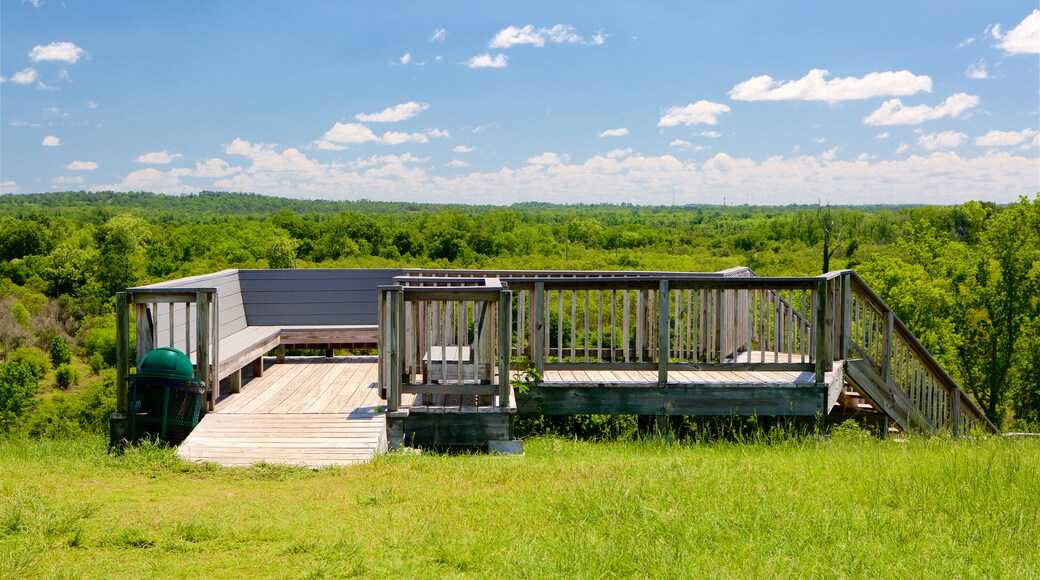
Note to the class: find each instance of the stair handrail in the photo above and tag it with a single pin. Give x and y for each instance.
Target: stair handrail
(962, 407)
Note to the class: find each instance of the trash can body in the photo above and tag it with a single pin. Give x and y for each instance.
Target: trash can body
(165, 400)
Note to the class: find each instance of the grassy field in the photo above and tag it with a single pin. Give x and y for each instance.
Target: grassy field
(851, 506)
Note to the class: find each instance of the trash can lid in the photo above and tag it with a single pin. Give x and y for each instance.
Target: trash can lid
(166, 362)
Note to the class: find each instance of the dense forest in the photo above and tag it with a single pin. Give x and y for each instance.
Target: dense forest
(965, 279)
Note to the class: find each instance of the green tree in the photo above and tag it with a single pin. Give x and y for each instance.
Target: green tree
(281, 252)
(61, 354)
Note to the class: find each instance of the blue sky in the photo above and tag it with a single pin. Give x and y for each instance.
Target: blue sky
(496, 102)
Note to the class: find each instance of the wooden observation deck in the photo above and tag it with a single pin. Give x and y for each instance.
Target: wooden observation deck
(453, 345)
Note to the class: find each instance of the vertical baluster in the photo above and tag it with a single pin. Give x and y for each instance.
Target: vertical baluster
(585, 341)
(613, 325)
(559, 324)
(460, 335)
(599, 326)
(624, 323)
(574, 326)
(789, 334)
(520, 315)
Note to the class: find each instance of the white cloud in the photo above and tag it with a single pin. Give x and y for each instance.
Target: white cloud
(18, 123)
(893, 112)
(814, 87)
(23, 77)
(342, 135)
(405, 58)
(157, 158)
(9, 186)
(977, 71)
(394, 114)
(150, 179)
(456, 163)
(463, 149)
(818, 139)
(903, 147)
(701, 112)
(374, 160)
(684, 145)
(881, 136)
(212, 167)
(966, 42)
(247, 149)
(1022, 39)
(62, 180)
(710, 134)
(944, 140)
(396, 138)
(487, 61)
(93, 104)
(438, 133)
(438, 35)
(57, 51)
(1004, 138)
(51, 141)
(82, 166)
(548, 158)
(620, 132)
(559, 34)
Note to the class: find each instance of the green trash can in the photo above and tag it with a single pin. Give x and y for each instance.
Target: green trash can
(164, 397)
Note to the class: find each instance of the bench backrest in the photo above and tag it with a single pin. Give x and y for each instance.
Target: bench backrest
(232, 311)
(335, 296)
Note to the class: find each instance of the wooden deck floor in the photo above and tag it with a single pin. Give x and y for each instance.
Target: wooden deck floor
(307, 411)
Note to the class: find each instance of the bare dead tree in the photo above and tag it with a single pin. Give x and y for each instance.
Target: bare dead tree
(832, 227)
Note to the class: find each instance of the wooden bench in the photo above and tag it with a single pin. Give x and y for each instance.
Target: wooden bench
(264, 310)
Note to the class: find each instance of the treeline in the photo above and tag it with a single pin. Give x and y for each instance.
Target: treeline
(966, 279)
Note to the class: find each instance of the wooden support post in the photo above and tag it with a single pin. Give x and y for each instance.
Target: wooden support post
(955, 412)
(122, 352)
(505, 331)
(846, 316)
(280, 353)
(145, 335)
(202, 349)
(538, 325)
(886, 345)
(236, 381)
(258, 367)
(329, 353)
(820, 330)
(663, 336)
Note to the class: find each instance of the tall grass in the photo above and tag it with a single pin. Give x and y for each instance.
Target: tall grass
(851, 506)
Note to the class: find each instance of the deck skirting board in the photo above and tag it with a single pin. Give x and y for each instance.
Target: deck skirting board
(791, 399)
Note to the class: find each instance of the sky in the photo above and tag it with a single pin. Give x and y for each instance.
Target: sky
(767, 103)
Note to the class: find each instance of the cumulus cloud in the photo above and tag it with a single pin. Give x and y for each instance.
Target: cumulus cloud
(62, 180)
(903, 147)
(9, 186)
(405, 58)
(157, 158)
(82, 166)
(150, 179)
(944, 140)
(438, 35)
(51, 141)
(815, 87)
(456, 163)
(699, 113)
(93, 104)
(23, 77)
(394, 114)
(1022, 39)
(1004, 138)
(559, 34)
(977, 71)
(893, 112)
(548, 158)
(619, 132)
(710, 134)
(463, 149)
(487, 61)
(57, 51)
(212, 167)
(375, 160)
(343, 135)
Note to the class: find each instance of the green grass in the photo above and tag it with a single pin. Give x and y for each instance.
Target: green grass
(845, 507)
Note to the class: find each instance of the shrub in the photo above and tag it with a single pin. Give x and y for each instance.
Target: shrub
(34, 358)
(18, 384)
(96, 362)
(101, 339)
(72, 415)
(61, 354)
(66, 376)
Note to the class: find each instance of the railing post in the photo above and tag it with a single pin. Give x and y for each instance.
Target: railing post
(538, 324)
(122, 351)
(820, 330)
(505, 332)
(846, 314)
(202, 367)
(886, 345)
(396, 316)
(663, 334)
(955, 412)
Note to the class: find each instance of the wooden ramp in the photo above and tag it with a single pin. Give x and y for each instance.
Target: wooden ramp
(313, 412)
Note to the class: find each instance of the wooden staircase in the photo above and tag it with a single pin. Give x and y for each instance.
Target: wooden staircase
(889, 370)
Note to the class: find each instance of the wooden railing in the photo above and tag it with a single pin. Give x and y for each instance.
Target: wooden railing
(186, 319)
(876, 335)
(445, 336)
